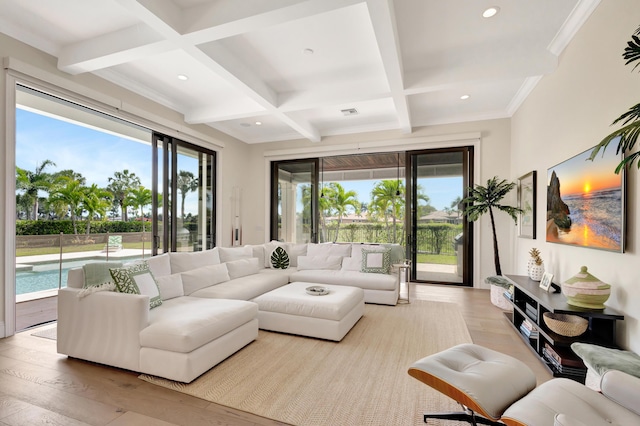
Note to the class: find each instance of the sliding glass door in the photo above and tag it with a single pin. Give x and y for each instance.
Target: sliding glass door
(294, 205)
(440, 239)
(183, 196)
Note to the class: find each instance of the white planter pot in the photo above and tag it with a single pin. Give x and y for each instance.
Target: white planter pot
(536, 272)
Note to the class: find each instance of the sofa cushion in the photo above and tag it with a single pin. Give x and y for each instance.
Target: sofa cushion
(182, 262)
(160, 265)
(227, 254)
(170, 286)
(319, 262)
(137, 279)
(354, 263)
(243, 267)
(376, 261)
(186, 323)
(245, 288)
(329, 249)
(203, 277)
(352, 278)
(97, 273)
(258, 253)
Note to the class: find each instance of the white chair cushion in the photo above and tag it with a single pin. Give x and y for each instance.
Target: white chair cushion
(160, 265)
(227, 254)
(319, 262)
(343, 250)
(170, 286)
(244, 288)
(242, 267)
(357, 279)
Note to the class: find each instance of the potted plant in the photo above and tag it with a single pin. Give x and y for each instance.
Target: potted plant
(483, 199)
(628, 134)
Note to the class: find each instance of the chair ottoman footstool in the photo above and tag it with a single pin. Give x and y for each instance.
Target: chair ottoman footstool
(289, 309)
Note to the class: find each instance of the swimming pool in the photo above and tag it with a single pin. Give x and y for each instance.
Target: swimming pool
(46, 276)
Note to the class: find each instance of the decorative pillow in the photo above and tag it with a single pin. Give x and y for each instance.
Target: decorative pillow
(159, 265)
(170, 286)
(97, 273)
(227, 254)
(182, 262)
(319, 262)
(137, 279)
(376, 261)
(258, 252)
(206, 276)
(243, 267)
(354, 263)
(279, 258)
(269, 248)
(329, 249)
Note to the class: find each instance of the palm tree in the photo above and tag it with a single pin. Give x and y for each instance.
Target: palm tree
(32, 182)
(139, 198)
(120, 185)
(95, 201)
(387, 198)
(187, 182)
(482, 199)
(339, 201)
(628, 134)
(71, 193)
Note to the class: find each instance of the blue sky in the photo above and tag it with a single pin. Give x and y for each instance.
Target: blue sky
(97, 155)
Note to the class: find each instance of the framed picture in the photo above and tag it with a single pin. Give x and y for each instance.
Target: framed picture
(545, 282)
(527, 202)
(586, 202)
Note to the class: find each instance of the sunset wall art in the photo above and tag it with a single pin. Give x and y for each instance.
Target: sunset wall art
(585, 201)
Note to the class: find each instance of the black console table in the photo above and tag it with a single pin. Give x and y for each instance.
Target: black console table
(530, 302)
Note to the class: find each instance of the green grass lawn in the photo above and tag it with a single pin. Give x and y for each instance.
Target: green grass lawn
(441, 259)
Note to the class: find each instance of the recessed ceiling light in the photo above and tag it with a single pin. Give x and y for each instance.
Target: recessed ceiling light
(182, 77)
(492, 11)
(258, 123)
(465, 97)
(308, 51)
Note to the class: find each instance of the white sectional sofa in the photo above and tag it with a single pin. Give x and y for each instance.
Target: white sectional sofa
(205, 311)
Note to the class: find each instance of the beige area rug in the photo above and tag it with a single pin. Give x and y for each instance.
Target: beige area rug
(361, 380)
(48, 333)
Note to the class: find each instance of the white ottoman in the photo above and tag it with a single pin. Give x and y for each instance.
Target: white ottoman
(289, 309)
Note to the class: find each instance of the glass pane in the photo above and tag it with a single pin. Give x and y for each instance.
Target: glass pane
(188, 229)
(437, 194)
(294, 210)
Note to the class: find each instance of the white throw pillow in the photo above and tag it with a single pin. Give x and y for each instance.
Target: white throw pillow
(269, 248)
(170, 286)
(160, 265)
(182, 262)
(319, 262)
(204, 277)
(258, 252)
(343, 250)
(227, 254)
(243, 267)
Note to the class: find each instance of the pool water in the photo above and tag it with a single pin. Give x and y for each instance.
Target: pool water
(46, 276)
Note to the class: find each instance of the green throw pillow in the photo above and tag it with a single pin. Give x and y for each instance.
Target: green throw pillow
(376, 261)
(137, 279)
(280, 258)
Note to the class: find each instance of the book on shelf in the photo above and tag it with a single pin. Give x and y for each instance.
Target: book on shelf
(527, 329)
(562, 368)
(508, 295)
(530, 311)
(564, 356)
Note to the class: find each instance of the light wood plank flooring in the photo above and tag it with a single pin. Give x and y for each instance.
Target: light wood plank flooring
(38, 386)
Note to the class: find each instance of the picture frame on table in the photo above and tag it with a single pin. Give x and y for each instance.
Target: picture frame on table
(527, 202)
(545, 282)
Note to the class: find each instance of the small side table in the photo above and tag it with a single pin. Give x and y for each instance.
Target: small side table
(404, 274)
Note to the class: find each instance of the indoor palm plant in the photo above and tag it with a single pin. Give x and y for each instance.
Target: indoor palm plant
(483, 199)
(630, 120)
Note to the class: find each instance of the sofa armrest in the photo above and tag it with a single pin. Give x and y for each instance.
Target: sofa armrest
(102, 327)
(621, 388)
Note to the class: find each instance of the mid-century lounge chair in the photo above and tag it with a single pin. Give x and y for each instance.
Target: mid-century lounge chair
(496, 389)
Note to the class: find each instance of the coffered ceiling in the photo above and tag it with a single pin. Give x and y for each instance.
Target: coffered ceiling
(268, 70)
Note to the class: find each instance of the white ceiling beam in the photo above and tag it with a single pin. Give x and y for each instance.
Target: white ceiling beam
(384, 26)
(165, 17)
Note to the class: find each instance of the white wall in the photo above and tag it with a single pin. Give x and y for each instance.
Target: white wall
(571, 111)
(493, 160)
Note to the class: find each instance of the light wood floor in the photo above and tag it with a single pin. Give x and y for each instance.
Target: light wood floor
(38, 386)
